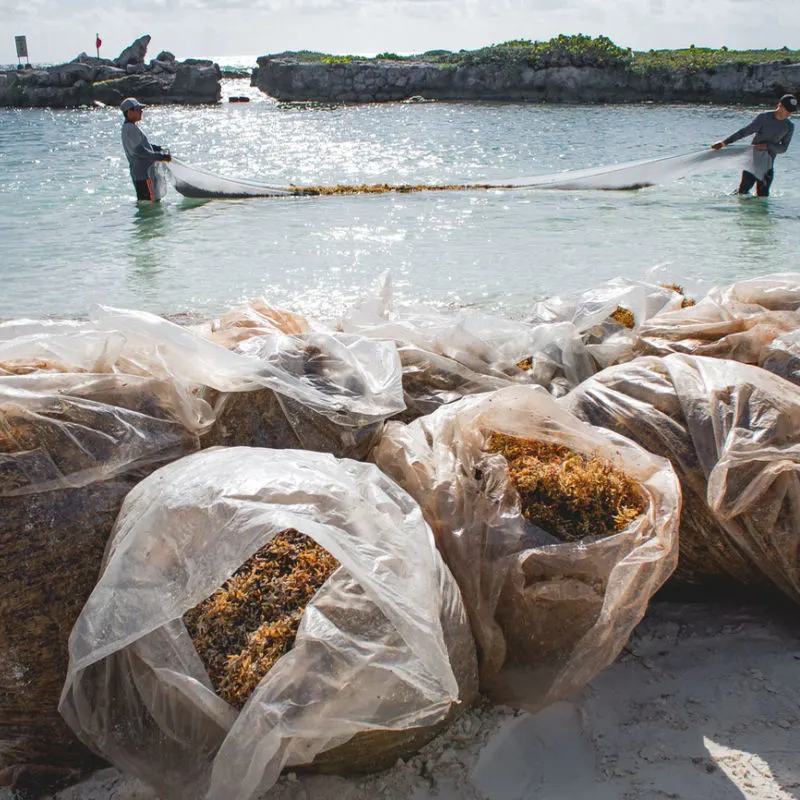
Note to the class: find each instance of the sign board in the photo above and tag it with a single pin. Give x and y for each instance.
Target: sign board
(22, 46)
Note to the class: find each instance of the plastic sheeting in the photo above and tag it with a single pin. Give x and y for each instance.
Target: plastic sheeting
(638, 174)
(449, 355)
(71, 447)
(547, 616)
(735, 321)
(194, 182)
(782, 356)
(371, 652)
(607, 340)
(732, 432)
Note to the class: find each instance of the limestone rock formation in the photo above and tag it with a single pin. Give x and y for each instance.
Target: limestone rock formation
(88, 80)
(289, 78)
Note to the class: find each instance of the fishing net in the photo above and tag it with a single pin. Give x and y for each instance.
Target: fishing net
(159, 175)
(194, 182)
(638, 174)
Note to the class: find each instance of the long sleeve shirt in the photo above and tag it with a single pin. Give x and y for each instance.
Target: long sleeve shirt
(139, 151)
(769, 130)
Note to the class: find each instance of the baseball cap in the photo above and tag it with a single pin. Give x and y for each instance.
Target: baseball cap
(129, 103)
(789, 102)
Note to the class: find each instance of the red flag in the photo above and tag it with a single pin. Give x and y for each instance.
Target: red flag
(99, 43)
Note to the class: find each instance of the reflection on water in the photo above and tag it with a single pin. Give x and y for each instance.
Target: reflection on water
(756, 222)
(65, 201)
(150, 223)
(149, 220)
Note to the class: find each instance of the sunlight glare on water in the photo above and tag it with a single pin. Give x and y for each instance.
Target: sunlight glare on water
(72, 234)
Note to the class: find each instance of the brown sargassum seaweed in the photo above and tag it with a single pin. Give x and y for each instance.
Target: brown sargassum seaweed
(687, 301)
(569, 495)
(623, 316)
(242, 630)
(388, 188)
(52, 539)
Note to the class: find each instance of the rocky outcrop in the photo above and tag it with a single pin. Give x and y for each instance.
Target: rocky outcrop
(88, 80)
(289, 79)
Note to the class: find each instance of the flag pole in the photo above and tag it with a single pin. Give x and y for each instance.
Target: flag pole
(97, 43)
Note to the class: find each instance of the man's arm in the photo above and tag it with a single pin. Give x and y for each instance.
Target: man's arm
(753, 127)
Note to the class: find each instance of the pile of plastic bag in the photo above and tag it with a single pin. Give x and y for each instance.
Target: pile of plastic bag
(447, 356)
(113, 526)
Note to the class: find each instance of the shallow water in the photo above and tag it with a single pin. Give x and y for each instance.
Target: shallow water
(71, 233)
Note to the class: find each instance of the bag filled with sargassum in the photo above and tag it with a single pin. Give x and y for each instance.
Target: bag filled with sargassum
(72, 445)
(260, 609)
(447, 355)
(87, 409)
(557, 531)
(732, 432)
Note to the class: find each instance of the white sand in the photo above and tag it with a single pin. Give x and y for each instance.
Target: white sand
(704, 704)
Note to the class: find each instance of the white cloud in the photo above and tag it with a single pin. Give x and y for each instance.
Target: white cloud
(58, 30)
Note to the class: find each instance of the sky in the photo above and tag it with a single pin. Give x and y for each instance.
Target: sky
(58, 30)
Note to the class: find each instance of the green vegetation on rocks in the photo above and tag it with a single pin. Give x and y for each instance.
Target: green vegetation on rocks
(576, 50)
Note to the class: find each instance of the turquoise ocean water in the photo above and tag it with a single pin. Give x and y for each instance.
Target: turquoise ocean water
(71, 233)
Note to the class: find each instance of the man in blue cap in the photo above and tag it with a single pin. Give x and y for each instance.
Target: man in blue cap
(141, 154)
(773, 131)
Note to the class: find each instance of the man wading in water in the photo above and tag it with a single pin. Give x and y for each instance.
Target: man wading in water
(773, 131)
(141, 154)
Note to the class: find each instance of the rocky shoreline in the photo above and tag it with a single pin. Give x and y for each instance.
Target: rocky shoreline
(565, 70)
(87, 81)
(289, 78)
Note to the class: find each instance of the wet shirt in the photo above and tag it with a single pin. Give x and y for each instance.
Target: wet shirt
(771, 131)
(139, 151)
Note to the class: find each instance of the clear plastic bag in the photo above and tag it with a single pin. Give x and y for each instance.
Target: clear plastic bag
(734, 322)
(609, 337)
(254, 318)
(782, 357)
(157, 346)
(547, 615)
(447, 356)
(383, 648)
(71, 447)
(732, 432)
(358, 379)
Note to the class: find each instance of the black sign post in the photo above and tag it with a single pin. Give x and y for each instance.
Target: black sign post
(22, 49)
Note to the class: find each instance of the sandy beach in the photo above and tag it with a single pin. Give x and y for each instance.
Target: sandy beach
(704, 702)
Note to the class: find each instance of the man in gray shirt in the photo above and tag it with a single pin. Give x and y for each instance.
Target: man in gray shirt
(141, 154)
(773, 131)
